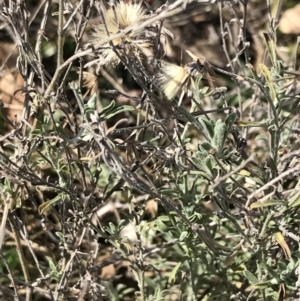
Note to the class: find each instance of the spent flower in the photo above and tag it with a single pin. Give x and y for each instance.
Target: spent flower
(173, 78)
(121, 17)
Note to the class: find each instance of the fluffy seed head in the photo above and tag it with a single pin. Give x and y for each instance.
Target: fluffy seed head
(172, 79)
(116, 19)
(127, 15)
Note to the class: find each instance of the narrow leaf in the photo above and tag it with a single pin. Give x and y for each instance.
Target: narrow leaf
(252, 279)
(172, 276)
(271, 46)
(208, 127)
(280, 239)
(78, 96)
(266, 73)
(118, 110)
(266, 204)
(108, 108)
(219, 136)
(45, 207)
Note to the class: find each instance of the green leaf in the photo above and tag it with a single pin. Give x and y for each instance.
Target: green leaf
(294, 201)
(183, 235)
(6, 188)
(45, 207)
(208, 127)
(205, 147)
(108, 108)
(60, 235)
(77, 92)
(268, 269)
(10, 145)
(172, 276)
(90, 106)
(271, 46)
(53, 266)
(263, 124)
(219, 136)
(203, 162)
(263, 285)
(252, 279)
(229, 121)
(267, 204)
(269, 79)
(118, 110)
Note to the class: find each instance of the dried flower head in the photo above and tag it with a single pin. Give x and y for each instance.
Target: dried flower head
(117, 19)
(173, 78)
(90, 82)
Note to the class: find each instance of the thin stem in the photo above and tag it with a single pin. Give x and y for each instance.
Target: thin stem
(22, 259)
(59, 69)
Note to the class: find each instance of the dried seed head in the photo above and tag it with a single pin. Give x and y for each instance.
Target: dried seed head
(173, 78)
(90, 82)
(116, 19)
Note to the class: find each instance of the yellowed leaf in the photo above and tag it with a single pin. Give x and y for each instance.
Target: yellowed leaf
(280, 239)
(244, 172)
